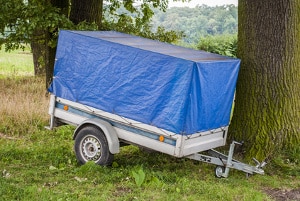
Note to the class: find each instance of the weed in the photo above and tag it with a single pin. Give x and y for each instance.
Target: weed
(139, 176)
(288, 162)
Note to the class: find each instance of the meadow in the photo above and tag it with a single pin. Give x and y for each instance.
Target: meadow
(38, 164)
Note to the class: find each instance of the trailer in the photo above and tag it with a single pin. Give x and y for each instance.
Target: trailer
(119, 89)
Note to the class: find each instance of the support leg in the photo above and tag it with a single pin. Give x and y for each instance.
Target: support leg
(229, 159)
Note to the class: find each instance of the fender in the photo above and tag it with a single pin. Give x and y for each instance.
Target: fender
(109, 132)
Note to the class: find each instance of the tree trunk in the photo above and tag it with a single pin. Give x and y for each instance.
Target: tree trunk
(43, 54)
(267, 107)
(89, 11)
(38, 52)
(49, 60)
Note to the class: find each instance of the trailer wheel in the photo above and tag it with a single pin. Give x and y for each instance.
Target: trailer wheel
(219, 171)
(91, 145)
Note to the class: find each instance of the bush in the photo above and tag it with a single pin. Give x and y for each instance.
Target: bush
(220, 44)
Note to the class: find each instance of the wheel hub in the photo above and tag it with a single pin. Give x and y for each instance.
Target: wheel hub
(91, 148)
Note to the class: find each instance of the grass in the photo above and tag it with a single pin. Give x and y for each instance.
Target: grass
(37, 164)
(16, 63)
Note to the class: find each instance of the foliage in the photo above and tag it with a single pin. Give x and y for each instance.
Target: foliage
(198, 22)
(220, 44)
(137, 20)
(23, 19)
(20, 20)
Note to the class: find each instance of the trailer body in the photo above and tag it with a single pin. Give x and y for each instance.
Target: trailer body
(139, 91)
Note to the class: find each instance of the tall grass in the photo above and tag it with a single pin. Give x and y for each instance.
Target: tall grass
(23, 103)
(23, 106)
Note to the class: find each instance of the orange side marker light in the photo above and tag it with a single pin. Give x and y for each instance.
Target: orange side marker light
(161, 138)
(66, 108)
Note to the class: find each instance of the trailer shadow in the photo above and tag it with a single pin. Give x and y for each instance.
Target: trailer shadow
(132, 156)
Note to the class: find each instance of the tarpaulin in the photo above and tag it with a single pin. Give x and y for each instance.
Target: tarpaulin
(178, 89)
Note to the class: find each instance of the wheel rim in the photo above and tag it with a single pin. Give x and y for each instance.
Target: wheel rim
(90, 148)
(219, 171)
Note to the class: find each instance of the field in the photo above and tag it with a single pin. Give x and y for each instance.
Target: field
(38, 164)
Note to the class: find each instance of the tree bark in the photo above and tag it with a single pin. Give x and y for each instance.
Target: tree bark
(89, 11)
(43, 54)
(50, 53)
(38, 52)
(267, 107)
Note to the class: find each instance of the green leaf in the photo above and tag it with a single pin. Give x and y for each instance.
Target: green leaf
(139, 177)
(52, 168)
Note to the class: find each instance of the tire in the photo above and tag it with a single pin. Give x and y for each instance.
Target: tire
(219, 171)
(91, 145)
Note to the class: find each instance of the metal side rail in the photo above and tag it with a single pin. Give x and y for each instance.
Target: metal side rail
(224, 163)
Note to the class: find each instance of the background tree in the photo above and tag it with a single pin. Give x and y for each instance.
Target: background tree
(43, 38)
(33, 22)
(267, 107)
(198, 22)
(225, 44)
(37, 22)
(89, 11)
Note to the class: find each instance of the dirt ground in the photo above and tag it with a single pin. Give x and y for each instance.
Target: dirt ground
(284, 195)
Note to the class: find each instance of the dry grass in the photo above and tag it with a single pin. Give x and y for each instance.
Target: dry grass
(23, 105)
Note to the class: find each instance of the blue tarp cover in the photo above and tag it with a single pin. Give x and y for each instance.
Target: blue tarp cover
(174, 88)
